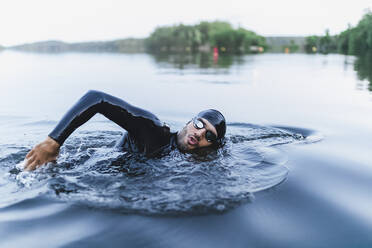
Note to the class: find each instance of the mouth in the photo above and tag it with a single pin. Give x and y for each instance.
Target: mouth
(191, 140)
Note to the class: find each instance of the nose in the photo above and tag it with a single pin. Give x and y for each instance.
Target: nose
(200, 133)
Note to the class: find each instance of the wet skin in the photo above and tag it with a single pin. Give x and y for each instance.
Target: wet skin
(191, 138)
(46, 151)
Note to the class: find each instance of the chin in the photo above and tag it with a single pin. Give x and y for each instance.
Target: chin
(184, 146)
(182, 143)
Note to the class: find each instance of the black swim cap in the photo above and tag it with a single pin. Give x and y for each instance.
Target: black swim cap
(217, 120)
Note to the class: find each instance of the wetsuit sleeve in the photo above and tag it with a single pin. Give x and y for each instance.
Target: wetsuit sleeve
(138, 122)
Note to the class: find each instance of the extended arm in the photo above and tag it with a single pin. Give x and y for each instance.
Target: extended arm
(137, 121)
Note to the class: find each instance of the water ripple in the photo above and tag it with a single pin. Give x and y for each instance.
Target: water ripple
(91, 173)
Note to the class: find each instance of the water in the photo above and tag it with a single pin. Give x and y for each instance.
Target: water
(295, 170)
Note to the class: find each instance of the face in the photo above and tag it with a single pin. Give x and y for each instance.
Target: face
(190, 137)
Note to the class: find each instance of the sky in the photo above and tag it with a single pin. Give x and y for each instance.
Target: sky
(25, 21)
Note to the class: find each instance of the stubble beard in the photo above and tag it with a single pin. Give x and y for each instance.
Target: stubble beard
(182, 146)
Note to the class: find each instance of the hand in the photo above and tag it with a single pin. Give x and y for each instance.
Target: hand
(46, 151)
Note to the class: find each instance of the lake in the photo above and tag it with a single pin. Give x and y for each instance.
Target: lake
(295, 172)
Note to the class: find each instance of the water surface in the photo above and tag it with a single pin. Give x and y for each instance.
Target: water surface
(295, 171)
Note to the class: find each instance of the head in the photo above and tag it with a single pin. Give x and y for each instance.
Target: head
(206, 129)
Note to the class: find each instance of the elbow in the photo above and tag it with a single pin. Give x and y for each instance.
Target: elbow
(95, 95)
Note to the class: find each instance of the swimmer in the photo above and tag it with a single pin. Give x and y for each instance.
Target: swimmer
(145, 133)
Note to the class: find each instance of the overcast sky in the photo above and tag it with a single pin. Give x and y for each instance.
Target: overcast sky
(24, 21)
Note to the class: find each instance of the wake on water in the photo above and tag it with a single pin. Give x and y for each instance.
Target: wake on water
(92, 173)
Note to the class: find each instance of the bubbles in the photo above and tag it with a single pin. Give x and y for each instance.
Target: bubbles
(92, 173)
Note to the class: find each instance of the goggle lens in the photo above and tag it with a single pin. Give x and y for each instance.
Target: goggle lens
(209, 135)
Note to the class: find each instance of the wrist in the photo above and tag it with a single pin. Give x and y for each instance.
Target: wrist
(52, 143)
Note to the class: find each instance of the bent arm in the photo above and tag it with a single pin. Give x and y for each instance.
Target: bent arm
(135, 120)
(140, 123)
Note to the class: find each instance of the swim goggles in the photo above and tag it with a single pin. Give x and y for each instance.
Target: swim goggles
(209, 135)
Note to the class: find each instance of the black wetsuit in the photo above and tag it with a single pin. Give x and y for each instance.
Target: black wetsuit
(145, 133)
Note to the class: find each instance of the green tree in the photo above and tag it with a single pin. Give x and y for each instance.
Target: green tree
(362, 66)
(311, 44)
(343, 41)
(324, 43)
(178, 38)
(357, 40)
(209, 29)
(184, 38)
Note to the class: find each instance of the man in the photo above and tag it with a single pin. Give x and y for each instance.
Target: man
(145, 133)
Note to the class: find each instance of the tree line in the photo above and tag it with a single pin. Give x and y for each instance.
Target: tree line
(204, 37)
(221, 36)
(353, 41)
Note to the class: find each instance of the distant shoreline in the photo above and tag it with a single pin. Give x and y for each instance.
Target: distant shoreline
(129, 45)
(133, 45)
(220, 38)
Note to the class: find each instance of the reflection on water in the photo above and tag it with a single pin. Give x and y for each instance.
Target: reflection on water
(324, 201)
(206, 63)
(363, 67)
(199, 60)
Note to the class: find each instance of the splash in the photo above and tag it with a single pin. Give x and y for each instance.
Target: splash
(92, 173)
